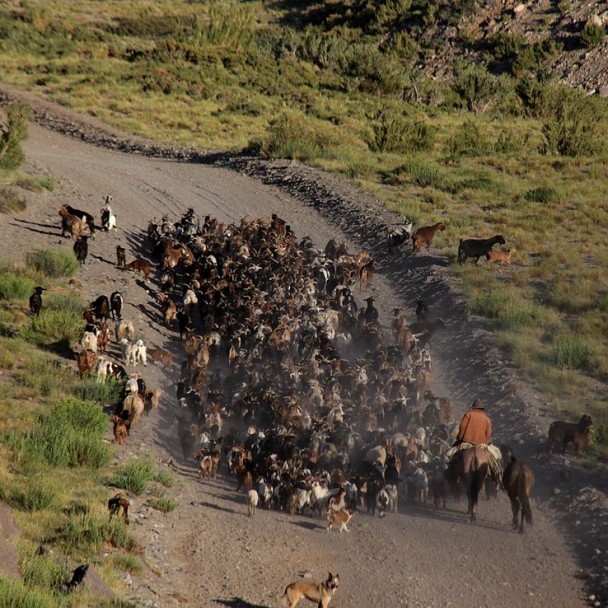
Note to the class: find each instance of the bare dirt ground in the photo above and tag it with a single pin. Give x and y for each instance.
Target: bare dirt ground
(208, 552)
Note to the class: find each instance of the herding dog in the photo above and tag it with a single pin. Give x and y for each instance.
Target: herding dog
(321, 593)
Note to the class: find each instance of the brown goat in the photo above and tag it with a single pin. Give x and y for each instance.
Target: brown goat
(423, 237)
(71, 225)
(121, 429)
(563, 433)
(86, 361)
(116, 503)
(142, 266)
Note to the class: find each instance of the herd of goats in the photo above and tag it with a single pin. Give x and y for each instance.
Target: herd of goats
(291, 383)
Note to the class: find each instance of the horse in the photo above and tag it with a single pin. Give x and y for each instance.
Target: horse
(518, 481)
(472, 466)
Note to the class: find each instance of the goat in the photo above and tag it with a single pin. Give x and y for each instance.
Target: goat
(142, 266)
(118, 502)
(83, 216)
(121, 428)
(108, 218)
(124, 329)
(501, 257)
(81, 248)
(475, 248)
(423, 237)
(72, 225)
(116, 305)
(137, 353)
(121, 256)
(563, 433)
(86, 361)
(398, 236)
(89, 341)
(36, 301)
(252, 502)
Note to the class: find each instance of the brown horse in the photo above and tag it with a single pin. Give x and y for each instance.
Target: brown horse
(471, 465)
(518, 481)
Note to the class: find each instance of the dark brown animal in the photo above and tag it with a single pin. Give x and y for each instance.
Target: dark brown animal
(118, 502)
(475, 248)
(121, 428)
(518, 481)
(423, 237)
(121, 256)
(142, 266)
(161, 356)
(563, 433)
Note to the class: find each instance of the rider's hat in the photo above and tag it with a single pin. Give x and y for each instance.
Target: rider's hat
(478, 404)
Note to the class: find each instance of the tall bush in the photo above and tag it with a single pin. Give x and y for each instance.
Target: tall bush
(12, 133)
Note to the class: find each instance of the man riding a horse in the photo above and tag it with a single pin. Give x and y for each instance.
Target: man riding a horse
(475, 432)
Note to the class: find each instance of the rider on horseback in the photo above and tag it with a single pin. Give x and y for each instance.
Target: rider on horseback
(476, 429)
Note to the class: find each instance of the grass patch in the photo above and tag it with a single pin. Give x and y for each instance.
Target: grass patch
(163, 504)
(42, 572)
(573, 352)
(70, 435)
(15, 286)
(34, 494)
(137, 474)
(54, 263)
(14, 594)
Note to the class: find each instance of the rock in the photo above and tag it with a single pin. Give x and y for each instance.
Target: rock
(520, 8)
(594, 20)
(602, 91)
(9, 559)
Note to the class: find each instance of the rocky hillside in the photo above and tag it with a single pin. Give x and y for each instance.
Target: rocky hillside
(511, 35)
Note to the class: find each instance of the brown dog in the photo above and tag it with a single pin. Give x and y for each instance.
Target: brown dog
(563, 433)
(121, 256)
(321, 593)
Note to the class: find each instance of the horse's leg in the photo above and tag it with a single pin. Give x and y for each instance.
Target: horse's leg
(515, 510)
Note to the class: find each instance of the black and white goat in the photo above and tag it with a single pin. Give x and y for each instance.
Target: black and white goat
(399, 235)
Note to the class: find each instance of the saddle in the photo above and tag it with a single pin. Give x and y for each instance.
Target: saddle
(494, 459)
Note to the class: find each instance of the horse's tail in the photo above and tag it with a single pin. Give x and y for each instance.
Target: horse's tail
(522, 492)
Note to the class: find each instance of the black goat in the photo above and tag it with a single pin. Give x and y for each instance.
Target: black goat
(81, 249)
(36, 301)
(475, 248)
(116, 305)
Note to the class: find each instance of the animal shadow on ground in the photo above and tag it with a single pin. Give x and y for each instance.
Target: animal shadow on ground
(457, 517)
(100, 258)
(20, 225)
(203, 503)
(308, 525)
(237, 602)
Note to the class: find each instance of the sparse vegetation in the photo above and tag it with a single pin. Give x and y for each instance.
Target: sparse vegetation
(136, 474)
(53, 263)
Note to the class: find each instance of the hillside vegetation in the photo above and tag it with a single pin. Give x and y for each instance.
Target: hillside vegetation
(497, 146)
(55, 460)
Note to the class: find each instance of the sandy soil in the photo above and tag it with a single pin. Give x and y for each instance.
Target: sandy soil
(208, 552)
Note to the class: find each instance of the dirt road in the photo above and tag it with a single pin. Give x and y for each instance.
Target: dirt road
(208, 552)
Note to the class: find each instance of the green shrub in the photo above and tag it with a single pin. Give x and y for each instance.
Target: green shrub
(475, 86)
(53, 262)
(542, 194)
(14, 286)
(12, 133)
(395, 133)
(593, 34)
(13, 594)
(72, 434)
(468, 140)
(293, 136)
(509, 142)
(424, 174)
(507, 309)
(106, 393)
(135, 475)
